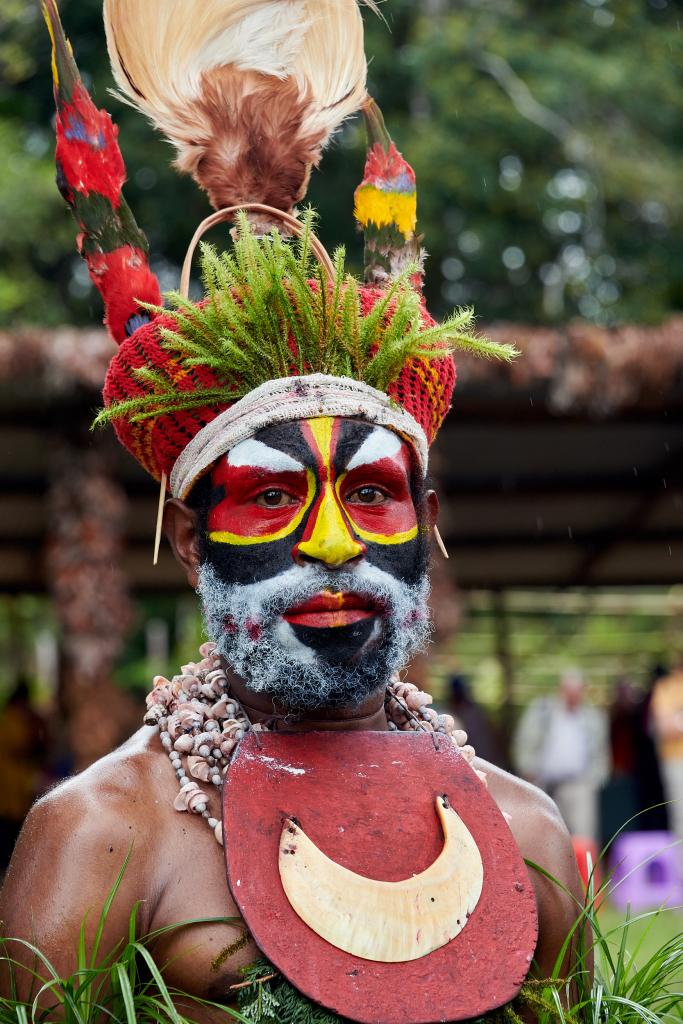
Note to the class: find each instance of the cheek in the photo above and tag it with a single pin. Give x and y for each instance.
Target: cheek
(391, 521)
(406, 562)
(236, 564)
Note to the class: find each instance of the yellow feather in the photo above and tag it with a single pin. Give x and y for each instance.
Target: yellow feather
(373, 206)
(48, 22)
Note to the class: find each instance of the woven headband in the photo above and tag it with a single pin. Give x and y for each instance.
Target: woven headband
(284, 400)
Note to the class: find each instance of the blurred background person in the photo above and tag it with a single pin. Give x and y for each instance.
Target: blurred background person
(22, 741)
(654, 813)
(667, 724)
(620, 799)
(561, 744)
(474, 719)
(633, 799)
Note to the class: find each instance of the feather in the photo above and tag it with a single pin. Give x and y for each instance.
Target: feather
(385, 207)
(90, 176)
(248, 91)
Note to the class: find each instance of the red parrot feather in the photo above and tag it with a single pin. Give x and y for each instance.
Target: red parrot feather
(90, 176)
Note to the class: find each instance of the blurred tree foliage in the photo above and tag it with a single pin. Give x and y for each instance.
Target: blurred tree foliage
(547, 139)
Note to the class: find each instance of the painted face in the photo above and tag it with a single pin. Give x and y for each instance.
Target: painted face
(324, 490)
(313, 544)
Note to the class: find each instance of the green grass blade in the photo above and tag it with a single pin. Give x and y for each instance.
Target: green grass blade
(160, 983)
(165, 929)
(126, 993)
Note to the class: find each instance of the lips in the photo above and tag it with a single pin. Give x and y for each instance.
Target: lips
(327, 610)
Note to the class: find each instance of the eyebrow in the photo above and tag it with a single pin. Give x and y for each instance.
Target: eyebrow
(381, 444)
(261, 456)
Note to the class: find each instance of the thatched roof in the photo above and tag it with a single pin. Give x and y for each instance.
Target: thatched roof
(585, 368)
(579, 367)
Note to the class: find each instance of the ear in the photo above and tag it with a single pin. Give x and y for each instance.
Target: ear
(432, 506)
(181, 529)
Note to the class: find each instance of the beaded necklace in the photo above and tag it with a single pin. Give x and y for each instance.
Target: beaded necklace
(200, 725)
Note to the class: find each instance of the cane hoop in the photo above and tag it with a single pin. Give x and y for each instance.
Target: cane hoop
(227, 213)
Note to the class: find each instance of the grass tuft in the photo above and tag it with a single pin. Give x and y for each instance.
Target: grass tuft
(638, 978)
(125, 986)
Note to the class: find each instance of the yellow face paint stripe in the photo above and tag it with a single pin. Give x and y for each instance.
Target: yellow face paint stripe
(321, 428)
(331, 540)
(401, 537)
(386, 538)
(242, 540)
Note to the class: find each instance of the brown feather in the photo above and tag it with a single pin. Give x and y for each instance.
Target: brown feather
(248, 91)
(257, 151)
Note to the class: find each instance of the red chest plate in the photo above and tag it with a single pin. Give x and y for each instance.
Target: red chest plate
(367, 801)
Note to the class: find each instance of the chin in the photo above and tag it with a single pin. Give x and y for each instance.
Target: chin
(291, 638)
(306, 667)
(344, 646)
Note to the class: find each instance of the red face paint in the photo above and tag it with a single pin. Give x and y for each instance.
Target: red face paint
(260, 505)
(378, 500)
(327, 490)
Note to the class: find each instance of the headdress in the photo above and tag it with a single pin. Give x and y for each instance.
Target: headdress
(249, 92)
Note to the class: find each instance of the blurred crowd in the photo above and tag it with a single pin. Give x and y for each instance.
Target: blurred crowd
(606, 769)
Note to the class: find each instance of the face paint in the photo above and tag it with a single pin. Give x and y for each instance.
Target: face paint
(326, 490)
(248, 623)
(247, 476)
(330, 494)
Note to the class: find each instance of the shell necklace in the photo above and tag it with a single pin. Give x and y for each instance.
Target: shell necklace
(200, 725)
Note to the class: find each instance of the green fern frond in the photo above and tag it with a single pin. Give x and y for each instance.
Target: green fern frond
(270, 312)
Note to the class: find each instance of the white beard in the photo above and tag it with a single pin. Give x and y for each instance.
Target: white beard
(245, 622)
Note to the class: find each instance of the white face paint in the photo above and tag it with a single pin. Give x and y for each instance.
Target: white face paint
(291, 643)
(381, 444)
(262, 456)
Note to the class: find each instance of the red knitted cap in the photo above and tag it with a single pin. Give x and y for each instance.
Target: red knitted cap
(423, 388)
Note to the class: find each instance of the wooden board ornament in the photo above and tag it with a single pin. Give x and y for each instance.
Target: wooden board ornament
(358, 808)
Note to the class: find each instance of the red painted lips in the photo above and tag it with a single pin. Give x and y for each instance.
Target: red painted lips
(327, 610)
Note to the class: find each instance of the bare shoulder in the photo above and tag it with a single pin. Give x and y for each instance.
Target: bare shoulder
(107, 800)
(543, 840)
(77, 837)
(534, 819)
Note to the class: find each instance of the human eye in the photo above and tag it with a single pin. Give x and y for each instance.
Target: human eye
(275, 497)
(367, 496)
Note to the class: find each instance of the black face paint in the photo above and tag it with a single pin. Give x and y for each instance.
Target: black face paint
(333, 494)
(341, 645)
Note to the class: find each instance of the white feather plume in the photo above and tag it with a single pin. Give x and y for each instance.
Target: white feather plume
(164, 53)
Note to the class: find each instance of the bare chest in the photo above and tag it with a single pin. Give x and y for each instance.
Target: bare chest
(202, 958)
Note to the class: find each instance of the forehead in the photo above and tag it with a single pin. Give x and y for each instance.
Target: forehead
(342, 442)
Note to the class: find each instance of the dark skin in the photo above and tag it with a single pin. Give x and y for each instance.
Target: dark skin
(76, 838)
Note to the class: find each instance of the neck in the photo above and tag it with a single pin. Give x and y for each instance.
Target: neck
(259, 707)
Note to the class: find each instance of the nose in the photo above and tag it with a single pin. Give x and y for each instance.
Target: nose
(327, 537)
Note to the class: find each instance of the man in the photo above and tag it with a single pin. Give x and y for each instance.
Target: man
(667, 719)
(292, 420)
(561, 745)
(76, 838)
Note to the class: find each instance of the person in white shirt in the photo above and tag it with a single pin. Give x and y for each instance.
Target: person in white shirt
(562, 745)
